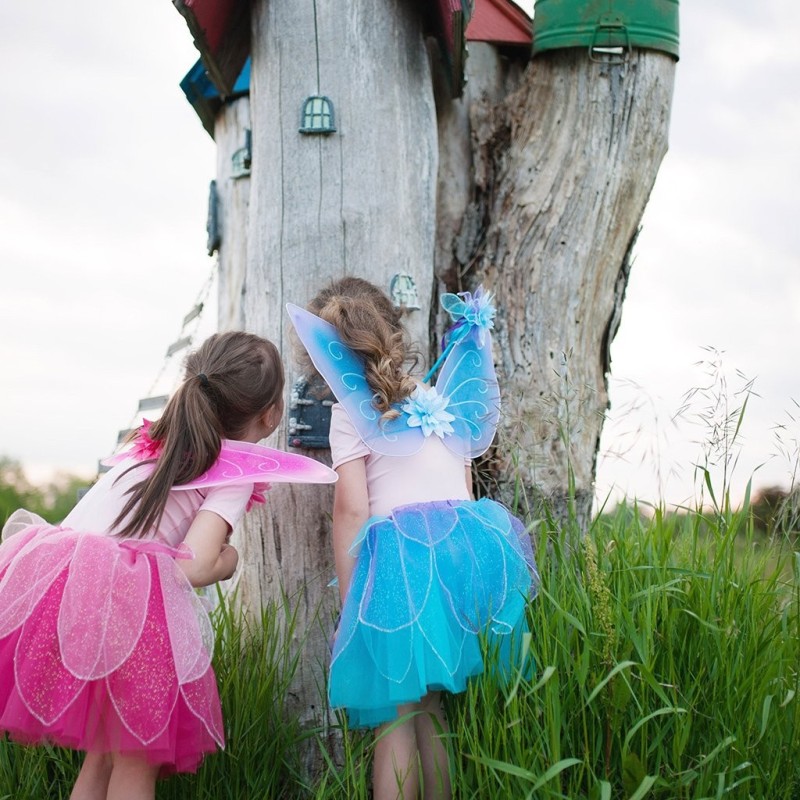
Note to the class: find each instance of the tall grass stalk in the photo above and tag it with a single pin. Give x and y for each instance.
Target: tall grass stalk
(255, 662)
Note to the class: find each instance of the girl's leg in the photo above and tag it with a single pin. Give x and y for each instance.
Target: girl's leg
(132, 778)
(395, 773)
(92, 781)
(430, 727)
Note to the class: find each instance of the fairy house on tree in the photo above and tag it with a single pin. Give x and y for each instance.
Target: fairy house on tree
(430, 147)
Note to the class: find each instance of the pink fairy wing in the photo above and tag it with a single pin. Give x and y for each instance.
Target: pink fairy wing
(191, 636)
(46, 688)
(203, 701)
(31, 574)
(242, 462)
(116, 458)
(103, 609)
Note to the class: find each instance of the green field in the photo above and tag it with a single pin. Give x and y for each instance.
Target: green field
(668, 656)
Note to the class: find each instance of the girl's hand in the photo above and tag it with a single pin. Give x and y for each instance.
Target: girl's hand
(229, 555)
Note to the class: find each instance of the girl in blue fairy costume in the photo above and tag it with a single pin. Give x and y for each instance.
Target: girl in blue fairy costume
(426, 573)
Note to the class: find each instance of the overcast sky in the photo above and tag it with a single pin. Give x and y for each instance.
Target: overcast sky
(104, 172)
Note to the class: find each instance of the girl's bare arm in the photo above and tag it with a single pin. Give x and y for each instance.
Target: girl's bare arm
(214, 559)
(350, 512)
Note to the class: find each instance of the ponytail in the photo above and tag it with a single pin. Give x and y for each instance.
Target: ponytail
(231, 380)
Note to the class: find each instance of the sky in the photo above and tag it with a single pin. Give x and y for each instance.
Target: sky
(104, 172)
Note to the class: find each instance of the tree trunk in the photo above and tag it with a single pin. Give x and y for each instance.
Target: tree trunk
(233, 192)
(562, 171)
(359, 201)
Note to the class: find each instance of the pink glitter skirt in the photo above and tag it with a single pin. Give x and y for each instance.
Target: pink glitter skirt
(105, 647)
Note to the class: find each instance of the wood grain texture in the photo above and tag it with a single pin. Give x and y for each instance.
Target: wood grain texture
(359, 201)
(489, 79)
(564, 167)
(234, 201)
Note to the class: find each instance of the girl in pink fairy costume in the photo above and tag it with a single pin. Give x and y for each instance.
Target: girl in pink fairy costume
(425, 572)
(104, 644)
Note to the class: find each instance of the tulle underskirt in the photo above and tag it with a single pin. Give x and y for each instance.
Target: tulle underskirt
(105, 647)
(433, 585)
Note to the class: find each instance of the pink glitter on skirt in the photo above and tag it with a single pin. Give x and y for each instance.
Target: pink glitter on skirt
(105, 647)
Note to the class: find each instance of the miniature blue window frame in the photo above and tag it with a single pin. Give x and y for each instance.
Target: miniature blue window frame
(317, 115)
(242, 158)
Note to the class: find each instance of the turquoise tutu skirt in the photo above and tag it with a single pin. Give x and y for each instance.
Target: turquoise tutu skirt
(432, 584)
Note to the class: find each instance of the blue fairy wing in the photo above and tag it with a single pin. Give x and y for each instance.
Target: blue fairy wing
(343, 371)
(469, 381)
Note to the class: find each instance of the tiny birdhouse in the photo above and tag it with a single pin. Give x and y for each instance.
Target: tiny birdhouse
(501, 23)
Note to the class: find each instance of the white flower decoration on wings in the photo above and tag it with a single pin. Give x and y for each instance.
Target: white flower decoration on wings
(427, 409)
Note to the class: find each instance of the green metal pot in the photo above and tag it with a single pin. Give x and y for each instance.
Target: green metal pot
(606, 26)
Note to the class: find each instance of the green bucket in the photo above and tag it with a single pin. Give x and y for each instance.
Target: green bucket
(606, 26)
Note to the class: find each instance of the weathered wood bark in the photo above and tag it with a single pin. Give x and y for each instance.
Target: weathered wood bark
(359, 201)
(233, 212)
(562, 170)
(459, 220)
(489, 80)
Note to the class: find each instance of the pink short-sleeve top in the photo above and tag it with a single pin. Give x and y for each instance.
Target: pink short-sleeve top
(99, 507)
(432, 473)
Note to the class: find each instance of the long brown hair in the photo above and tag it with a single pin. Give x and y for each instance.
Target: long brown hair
(229, 381)
(370, 325)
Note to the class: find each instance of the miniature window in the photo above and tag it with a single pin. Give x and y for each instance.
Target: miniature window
(242, 158)
(317, 115)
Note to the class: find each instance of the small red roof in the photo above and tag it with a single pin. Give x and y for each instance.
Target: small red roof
(221, 32)
(448, 9)
(499, 22)
(212, 18)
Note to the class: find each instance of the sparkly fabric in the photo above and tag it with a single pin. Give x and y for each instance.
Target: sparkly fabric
(105, 646)
(430, 581)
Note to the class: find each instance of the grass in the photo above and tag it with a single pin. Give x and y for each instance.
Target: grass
(667, 651)
(668, 669)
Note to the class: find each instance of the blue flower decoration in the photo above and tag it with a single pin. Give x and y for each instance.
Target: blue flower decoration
(475, 311)
(426, 409)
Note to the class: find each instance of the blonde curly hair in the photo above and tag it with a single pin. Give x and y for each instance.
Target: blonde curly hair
(371, 326)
